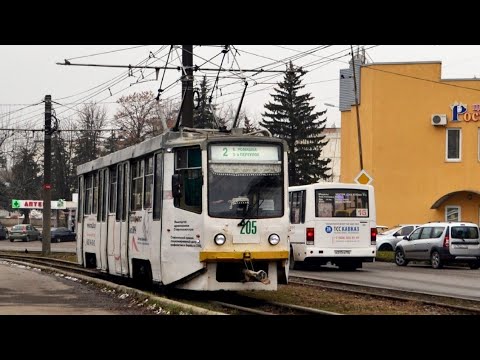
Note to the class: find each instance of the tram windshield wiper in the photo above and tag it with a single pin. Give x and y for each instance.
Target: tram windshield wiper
(250, 210)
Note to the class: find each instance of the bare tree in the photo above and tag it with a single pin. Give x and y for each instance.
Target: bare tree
(88, 144)
(138, 117)
(227, 115)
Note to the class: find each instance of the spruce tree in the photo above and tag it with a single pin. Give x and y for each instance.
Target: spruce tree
(203, 116)
(290, 117)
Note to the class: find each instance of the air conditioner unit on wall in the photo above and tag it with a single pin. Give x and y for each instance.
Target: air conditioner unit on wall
(439, 119)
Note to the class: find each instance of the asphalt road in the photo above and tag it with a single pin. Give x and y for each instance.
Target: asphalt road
(449, 281)
(17, 245)
(29, 291)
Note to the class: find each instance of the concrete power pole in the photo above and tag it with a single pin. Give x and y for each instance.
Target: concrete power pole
(47, 196)
(187, 86)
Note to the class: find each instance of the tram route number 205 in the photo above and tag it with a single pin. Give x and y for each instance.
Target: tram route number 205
(249, 228)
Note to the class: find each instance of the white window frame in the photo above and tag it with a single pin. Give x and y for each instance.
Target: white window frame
(458, 208)
(479, 144)
(459, 145)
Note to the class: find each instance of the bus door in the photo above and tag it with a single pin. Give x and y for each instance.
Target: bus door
(120, 238)
(102, 218)
(297, 201)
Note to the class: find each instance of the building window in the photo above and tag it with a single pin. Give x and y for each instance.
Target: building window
(478, 144)
(453, 213)
(454, 144)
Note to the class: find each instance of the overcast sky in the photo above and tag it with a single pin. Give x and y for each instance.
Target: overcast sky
(29, 72)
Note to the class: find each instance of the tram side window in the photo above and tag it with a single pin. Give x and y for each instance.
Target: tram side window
(88, 194)
(113, 190)
(188, 164)
(104, 195)
(118, 214)
(100, 196)
(80, 200)
(137, 182)
(95, 193)
(157, 202)
(148, 188)
(297, 207)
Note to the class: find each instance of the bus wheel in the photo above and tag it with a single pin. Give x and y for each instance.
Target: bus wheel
(348, 266)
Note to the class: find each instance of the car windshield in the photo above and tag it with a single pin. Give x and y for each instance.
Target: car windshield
(464, 232)
(18, 227)
(391, 231)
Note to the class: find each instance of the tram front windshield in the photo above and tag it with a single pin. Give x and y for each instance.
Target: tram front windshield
(245, 181)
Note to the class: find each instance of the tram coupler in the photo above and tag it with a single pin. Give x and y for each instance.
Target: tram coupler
(256, 275)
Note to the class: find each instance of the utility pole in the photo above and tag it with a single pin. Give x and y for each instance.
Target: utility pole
(187, 85)
(47, 196)
(358, 115)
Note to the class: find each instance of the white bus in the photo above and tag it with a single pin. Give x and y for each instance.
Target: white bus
(332, 222)
(198, 209)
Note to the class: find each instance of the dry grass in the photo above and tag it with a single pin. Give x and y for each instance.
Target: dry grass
(345, 303)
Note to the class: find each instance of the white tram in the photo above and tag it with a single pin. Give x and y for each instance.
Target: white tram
(195, 209)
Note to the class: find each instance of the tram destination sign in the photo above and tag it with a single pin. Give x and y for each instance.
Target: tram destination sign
(244, 153)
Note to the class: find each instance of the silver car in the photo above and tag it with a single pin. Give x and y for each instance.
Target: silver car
(387, 240)
(24, 232)
(441, 243)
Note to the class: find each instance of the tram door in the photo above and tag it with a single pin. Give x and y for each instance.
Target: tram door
(120, 238)
(102, 218)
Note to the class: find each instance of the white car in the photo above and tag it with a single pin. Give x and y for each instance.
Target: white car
(381, 229)
(387, 240)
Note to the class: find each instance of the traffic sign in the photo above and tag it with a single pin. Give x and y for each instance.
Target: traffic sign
(363, 178)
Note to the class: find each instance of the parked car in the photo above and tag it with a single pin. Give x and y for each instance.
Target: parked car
(441, 243)
(3, 232)
(62, 234)
(387, 240)
(24, 232)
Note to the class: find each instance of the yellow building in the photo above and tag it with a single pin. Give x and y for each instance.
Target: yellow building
(420, 137)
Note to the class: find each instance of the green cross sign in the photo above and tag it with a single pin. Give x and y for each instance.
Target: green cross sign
(15, 204)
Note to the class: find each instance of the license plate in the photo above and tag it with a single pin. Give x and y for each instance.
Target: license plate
(345, 252)
(460, 246)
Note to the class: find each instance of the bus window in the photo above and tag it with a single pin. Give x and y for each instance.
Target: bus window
(341, 203)
(297, 207)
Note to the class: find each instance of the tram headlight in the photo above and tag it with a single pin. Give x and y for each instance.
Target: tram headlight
(274, 239)
(219, 239)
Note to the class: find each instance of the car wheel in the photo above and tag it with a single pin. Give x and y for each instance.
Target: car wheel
(474, 265)
(435, 260)
(385, 247)
(400, 258)
(57, 240)
(11, 240)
